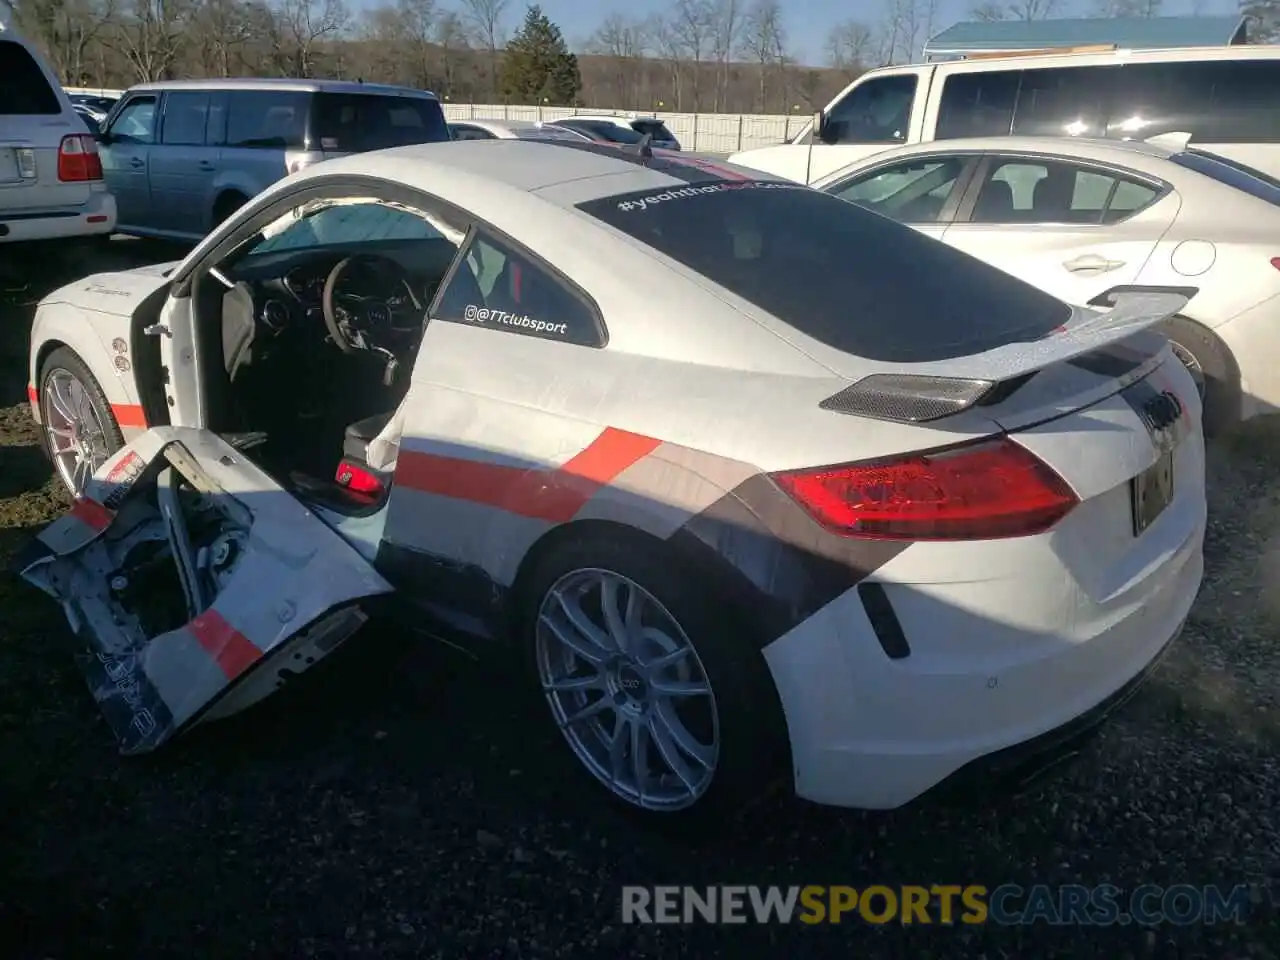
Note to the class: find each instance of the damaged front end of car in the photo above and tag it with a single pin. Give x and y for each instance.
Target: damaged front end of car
(196, 584)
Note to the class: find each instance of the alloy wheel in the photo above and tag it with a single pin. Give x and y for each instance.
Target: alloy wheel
(75, 432)
(627, 689)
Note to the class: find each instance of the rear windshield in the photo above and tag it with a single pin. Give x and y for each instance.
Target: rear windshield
(655, 127)
(1233, 174)
(847, 277)
(610, 131)
(24, 91)
(354, 122)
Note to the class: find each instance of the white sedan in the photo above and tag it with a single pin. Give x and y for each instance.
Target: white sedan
(1082, 218)
(510, 130)
(827, 503)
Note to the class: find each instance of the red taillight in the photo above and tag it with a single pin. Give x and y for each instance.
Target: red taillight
(981, 491)
(78, 159)
(358, 479)
(1275, 262)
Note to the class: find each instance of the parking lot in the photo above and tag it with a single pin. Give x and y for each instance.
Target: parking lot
(394, 804)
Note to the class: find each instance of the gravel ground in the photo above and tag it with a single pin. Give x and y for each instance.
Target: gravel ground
(392, 805)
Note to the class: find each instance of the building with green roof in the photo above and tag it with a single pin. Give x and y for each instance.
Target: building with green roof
(990, 38)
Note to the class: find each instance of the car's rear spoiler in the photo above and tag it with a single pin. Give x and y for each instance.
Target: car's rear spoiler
(930, 391)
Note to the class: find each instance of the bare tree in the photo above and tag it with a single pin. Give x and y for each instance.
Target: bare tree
(149, 36)
(989, 12)
(765, 42)
(451, 38)
(726, 20)
(851, 48)
(1127, 8)
(485, 18)
(1033, 9)
(693, 27)
(669, 44)
(64, 29)
(623, 42)
(299, 29)
(222, 29)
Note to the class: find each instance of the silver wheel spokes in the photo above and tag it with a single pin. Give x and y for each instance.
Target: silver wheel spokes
(627, 689)
(77, 438)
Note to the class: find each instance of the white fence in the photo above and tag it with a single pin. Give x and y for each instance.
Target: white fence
(704, 132)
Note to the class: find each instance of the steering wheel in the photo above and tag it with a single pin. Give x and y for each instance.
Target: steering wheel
(349, 316)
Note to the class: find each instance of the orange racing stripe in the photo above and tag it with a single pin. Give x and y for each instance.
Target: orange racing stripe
(554, 495)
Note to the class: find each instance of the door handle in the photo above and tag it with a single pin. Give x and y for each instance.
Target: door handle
(1092, 263)
(137, 162)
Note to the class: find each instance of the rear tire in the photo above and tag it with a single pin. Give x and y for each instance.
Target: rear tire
(99, 436)
(1214, 369)
(740, 715)
(227, 204)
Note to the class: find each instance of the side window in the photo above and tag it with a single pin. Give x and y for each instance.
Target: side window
(185, 117)
(1064, 102)
(471, 133)
(215, 129)
(497, 288)
(1044, 191)
(911, 192)
(267, 118)
(877, 111)
(1220, 101)
(327, 223)
(136, 121)
(978, 104)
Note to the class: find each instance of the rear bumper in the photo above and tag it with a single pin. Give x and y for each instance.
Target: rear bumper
(874, 733)
(96, 218)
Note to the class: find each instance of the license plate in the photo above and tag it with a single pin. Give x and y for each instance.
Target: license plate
(17, 164)
(1152, 490)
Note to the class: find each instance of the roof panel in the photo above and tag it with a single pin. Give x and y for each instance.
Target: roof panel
(1126, 32)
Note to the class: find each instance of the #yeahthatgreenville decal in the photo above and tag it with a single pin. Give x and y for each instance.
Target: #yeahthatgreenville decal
(485, 315)
(682, 193)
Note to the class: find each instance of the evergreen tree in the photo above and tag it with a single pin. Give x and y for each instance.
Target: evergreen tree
(537, 65)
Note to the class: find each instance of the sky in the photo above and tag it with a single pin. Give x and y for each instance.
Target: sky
(807, 21)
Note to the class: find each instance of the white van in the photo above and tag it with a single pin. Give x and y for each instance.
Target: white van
(51, 184)
(1225, 97)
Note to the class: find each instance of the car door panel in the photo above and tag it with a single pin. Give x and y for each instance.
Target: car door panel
(196, 585)
(126, 159)
(1072, 261)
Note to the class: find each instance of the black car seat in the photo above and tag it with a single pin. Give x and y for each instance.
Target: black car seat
(1052, 197)
(995, 203)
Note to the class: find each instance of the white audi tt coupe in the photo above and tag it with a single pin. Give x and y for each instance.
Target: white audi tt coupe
(831, 502)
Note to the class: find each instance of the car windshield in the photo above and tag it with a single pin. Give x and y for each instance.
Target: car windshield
(24, 91)
(849, 278)
(1232, 173)
(355, 122)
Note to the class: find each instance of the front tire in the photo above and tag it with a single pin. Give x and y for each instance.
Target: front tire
(661, 697)
(1212, 367)
(80, 432)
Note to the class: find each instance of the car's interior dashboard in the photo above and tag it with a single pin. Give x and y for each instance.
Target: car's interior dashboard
(287, 285)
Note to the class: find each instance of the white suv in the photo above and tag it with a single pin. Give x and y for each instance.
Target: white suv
(51, 184)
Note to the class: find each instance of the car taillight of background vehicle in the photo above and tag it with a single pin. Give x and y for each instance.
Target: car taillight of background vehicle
(983, 491)
(78, 159)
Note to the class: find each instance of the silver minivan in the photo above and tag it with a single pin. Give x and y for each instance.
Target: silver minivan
(181, 155)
